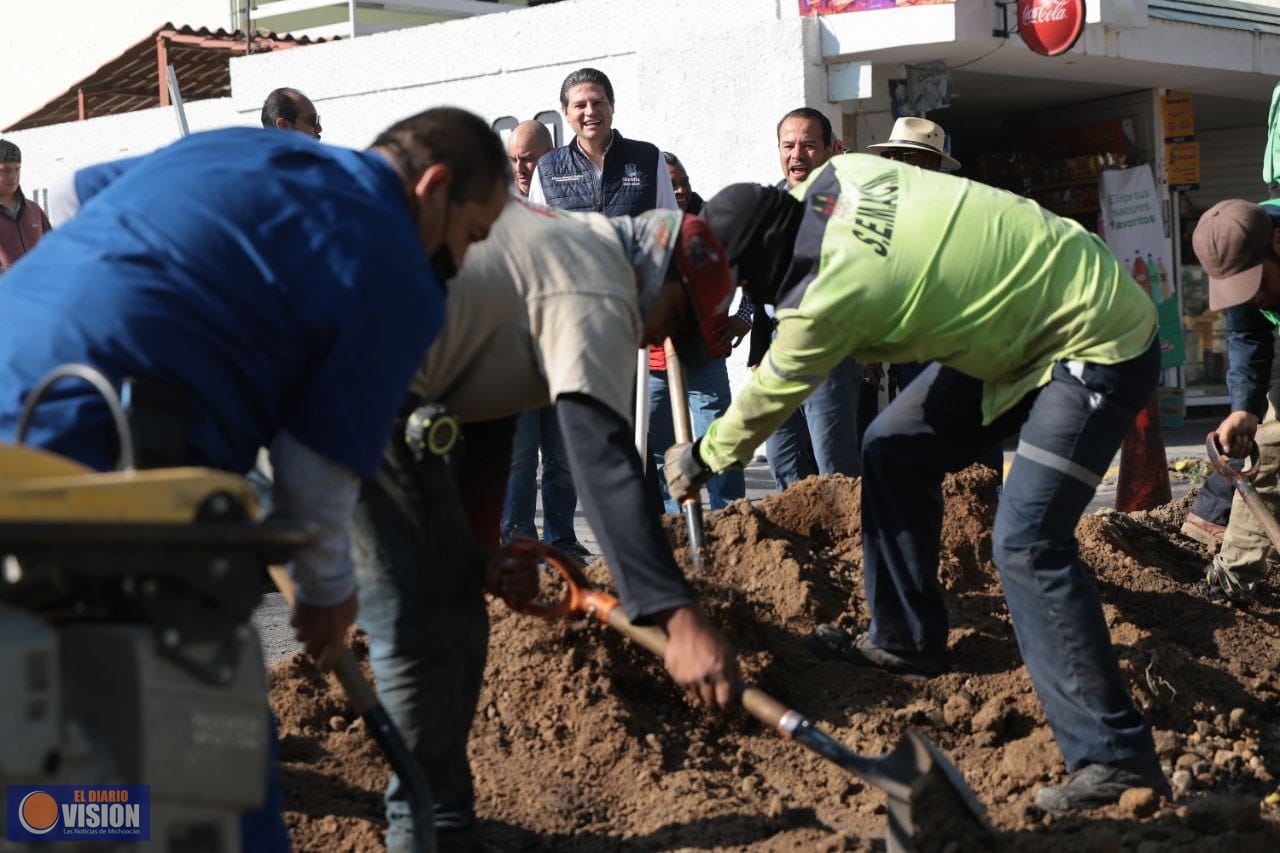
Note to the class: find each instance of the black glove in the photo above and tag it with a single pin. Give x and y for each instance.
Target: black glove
(685, 471)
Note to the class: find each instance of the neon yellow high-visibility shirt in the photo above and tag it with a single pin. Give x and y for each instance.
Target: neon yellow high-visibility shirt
(897, 264)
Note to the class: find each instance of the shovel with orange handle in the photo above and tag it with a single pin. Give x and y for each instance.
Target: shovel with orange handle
(930, 804)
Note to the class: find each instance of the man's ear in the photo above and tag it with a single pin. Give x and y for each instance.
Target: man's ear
(283, 124)
(435, 175)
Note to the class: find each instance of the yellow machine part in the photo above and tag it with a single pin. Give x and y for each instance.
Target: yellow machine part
(36, 485)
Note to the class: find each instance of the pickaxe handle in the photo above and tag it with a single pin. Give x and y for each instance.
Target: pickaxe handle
(680, 421)
(1243, 483)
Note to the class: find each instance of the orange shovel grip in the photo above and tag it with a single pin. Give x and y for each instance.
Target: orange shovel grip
(580, 597)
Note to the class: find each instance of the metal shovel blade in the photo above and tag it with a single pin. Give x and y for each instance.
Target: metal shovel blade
(931, 807)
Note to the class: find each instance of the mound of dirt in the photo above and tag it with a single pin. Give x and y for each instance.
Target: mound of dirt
(581, 742)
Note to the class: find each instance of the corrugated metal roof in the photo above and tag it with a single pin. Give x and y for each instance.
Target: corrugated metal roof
(200, 57)
(1218, 13)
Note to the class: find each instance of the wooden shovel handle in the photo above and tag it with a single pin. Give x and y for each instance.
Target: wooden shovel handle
(344, 664)
(678, 394)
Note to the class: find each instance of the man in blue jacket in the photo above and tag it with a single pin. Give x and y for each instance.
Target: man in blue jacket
(283, 289)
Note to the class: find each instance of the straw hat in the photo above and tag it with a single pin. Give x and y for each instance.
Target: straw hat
(920, 134)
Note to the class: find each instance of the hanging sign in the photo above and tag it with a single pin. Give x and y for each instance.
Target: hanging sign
(1050, 27)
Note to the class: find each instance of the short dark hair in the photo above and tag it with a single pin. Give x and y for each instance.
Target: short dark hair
(585, 75)
(672, 160)
(455, 138)
(813, 115)
(9, 153)
(281, 103)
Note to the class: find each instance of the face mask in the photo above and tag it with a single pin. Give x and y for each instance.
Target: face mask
(442, 262)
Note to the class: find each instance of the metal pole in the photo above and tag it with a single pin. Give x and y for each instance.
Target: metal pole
(176, 97)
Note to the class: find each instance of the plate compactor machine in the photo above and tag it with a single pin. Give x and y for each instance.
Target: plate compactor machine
(127, 654)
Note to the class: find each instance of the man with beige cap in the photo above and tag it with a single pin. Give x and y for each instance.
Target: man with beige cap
(917, 142)
(1235, 242)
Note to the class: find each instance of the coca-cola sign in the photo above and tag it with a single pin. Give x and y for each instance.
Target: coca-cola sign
(1050, 27)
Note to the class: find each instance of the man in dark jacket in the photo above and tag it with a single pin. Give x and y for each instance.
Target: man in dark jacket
(22, 222)
(599, 170)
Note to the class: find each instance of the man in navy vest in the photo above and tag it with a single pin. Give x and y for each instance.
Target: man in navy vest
(599, 170)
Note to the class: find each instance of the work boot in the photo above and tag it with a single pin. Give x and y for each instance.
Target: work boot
(1097, 785)
(1203, 530)
(830, 643)
(1223, 585)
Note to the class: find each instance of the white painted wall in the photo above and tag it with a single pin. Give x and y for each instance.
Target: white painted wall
(50, 154)
(49, 44)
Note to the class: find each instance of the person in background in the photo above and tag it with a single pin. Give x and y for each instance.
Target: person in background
(537, 430)
(821, 436)
(289, 109)
(22, 222)
(707, 386)
(599, 170)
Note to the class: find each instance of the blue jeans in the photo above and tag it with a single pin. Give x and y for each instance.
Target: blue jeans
(820, 437)
(708, 390)
(419, 574)
(1069, 431)
(534, 429)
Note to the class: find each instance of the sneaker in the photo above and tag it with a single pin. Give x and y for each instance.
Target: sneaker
(1097, 785)
(1203, 531)
(830, 643)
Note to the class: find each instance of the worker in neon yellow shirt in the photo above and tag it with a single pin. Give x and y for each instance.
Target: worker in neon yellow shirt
(1036, 330)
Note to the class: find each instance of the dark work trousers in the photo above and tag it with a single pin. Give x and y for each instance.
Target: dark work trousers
(906, 373)
(1070, 430)
(422, 604)
(1213, 501)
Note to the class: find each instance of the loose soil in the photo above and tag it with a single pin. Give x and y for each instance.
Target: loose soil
(581, 743)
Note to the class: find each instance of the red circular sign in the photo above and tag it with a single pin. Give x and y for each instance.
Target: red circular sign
(1050, 27)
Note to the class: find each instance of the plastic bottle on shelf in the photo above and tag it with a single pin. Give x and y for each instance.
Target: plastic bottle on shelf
(1139, 271)
(1166, 284)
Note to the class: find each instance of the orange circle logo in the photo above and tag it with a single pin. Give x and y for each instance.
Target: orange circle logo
(38, 812)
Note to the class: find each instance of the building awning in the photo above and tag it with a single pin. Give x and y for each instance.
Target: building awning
(135, 80)
(1218, 13)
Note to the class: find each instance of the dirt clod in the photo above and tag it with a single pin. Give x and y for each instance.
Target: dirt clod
(1139, 802)
(581, 742)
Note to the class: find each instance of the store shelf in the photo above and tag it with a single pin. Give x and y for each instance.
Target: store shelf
(1087, 180)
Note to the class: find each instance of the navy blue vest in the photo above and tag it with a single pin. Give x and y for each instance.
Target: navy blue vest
(629, 185)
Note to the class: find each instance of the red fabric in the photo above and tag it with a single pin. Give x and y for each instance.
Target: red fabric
(17, 237)
(657, 358)
(704, 265)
